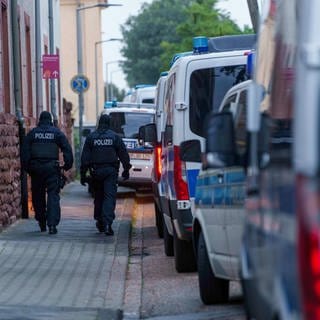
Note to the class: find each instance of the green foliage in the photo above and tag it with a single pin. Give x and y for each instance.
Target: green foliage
(166, 27)
(143, 34)
(114, 93)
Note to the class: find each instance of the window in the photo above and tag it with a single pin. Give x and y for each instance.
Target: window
(207, 89)
(127, 123)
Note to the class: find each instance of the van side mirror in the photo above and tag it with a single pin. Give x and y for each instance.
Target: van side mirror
(190, 150)
(148, 133)
(220, 141)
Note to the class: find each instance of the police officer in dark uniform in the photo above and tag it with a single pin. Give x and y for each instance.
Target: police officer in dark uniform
(101, 153)
(40, 158)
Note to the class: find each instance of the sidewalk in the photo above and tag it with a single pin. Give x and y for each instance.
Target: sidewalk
(76, 274)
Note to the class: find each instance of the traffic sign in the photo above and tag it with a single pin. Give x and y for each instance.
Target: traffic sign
(50, 66)
(80, 83)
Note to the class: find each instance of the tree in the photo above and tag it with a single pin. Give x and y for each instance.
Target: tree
(203, 19)
(143, 34)
(166, 27)
(114, 92)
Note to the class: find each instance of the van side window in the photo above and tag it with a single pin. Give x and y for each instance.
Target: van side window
(240, 125)
(207, 89)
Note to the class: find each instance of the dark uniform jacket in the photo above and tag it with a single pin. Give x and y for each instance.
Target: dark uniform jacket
(41, 146)
(104, 148)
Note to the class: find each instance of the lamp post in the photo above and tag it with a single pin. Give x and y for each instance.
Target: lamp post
(96, 70)
(111, 83)
(80, 62)
(107, 64)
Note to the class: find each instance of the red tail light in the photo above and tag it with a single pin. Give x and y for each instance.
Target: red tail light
(157, 162)
(179, 175)
(308, 205)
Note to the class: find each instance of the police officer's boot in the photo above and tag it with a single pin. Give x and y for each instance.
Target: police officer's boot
(53, 230)
(100, 226)
(109, 231)
(42, 225)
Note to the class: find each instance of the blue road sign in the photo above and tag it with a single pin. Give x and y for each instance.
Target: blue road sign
(79, 83)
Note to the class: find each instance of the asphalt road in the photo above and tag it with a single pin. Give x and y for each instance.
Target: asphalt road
(165, 293)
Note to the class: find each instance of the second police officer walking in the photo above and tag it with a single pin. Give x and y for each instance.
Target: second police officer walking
(40, 158)
(102, 153)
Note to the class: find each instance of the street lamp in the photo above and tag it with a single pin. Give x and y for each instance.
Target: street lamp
(111, 73)
(96, 70)
(110, 62)
(80, 62)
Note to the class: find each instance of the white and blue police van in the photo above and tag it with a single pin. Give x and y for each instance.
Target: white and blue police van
(195, 86)
(142, 93)
(125, 120)
(157, 189)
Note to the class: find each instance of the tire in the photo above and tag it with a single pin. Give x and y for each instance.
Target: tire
(212, 289)
(168, 241)
(159, 220)
(184, 257)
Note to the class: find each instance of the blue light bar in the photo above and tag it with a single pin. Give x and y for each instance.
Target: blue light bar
(179, 55)
(110, 104)
(250, 63)
(200, 44)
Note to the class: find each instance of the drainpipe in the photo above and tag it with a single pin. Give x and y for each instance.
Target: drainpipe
(39, 95)
(52, 51)
(17, 99)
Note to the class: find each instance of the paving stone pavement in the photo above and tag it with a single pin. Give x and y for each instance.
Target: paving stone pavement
(75, 274)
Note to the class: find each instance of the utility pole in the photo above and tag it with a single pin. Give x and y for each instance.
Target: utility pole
(254, 14)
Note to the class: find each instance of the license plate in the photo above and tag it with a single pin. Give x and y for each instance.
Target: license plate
(140, 156)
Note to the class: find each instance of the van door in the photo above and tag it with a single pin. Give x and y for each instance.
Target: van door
(234, 181)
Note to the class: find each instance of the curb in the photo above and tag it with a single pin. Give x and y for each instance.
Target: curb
(133, 285)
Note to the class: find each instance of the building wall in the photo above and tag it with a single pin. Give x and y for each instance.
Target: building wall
(91, 33)
(12, 126)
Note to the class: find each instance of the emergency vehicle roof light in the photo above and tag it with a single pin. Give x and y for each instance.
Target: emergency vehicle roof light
(179, 55)
(250, 63)
(163, 73)
(200, 45)
(110, 104)
(139, 86)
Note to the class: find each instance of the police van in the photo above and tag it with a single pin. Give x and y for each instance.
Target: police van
(142, 93)
(157, 188)
(195, 86)
(125, 120)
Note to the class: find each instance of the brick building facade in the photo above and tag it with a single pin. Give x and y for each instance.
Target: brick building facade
(28, 29)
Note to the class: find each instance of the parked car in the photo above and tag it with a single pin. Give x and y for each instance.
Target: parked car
(157, 188)
(220, 193)
(195, 85)
(274, 229)
(126, 120)
(142, 93)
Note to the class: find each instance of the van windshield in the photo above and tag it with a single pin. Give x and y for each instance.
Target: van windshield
(127, 124)
(207, 89)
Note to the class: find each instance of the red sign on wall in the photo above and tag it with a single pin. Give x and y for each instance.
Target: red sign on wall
(50, 66)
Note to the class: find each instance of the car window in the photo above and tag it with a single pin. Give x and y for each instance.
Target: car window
(127, 123)
(207, 89)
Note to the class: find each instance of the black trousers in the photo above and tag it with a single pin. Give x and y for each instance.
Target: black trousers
(104, 181)
(46, 194)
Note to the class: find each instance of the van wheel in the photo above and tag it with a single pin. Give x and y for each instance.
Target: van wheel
(159, 220)
(183, 254)
(212, 289)
(168, 241)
